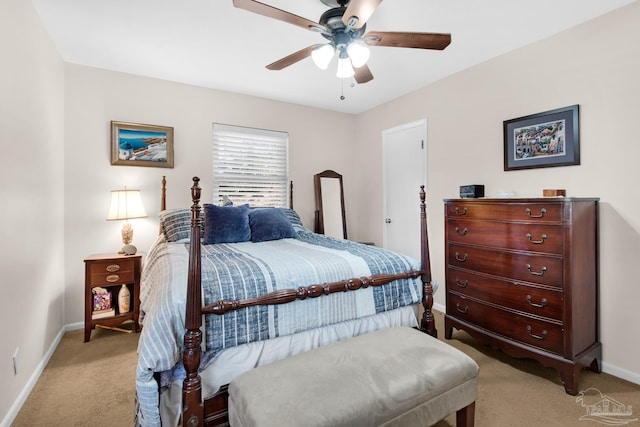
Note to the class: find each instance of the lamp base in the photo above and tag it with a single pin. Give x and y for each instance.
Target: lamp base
(128, 250)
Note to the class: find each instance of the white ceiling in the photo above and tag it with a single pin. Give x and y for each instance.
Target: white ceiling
(212, 44)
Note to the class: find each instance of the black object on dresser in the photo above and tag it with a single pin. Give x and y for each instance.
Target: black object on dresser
(522, 276)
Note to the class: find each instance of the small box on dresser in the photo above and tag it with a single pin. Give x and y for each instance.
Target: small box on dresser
(522, 276)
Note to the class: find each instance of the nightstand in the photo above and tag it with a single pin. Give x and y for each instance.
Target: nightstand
(111, 272)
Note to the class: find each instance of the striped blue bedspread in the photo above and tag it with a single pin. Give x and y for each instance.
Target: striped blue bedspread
(245, 270)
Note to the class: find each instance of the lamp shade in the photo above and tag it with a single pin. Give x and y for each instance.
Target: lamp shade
(126, 204)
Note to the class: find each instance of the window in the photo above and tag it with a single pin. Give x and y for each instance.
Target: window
(250, 165)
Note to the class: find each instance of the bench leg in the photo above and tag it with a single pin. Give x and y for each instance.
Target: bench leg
(465, 417)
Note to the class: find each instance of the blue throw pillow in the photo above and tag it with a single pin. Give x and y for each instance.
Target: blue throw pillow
(269, 224)
(226, 224)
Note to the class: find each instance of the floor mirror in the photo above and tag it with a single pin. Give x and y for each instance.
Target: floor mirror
(330, 214)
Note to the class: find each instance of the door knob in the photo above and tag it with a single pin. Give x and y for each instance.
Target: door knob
(388, 220)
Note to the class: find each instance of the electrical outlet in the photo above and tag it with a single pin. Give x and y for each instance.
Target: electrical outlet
(16, 361)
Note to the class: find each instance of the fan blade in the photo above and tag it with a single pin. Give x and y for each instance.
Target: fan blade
(292, 59)
(361, 10)
(437, 41)
(279, 14)
(362, 74)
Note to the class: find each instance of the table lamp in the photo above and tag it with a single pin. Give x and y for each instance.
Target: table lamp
(126, 205)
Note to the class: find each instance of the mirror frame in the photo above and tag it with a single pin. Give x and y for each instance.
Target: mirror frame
(319, 219)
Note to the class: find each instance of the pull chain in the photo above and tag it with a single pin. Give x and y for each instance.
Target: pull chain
(342, 89)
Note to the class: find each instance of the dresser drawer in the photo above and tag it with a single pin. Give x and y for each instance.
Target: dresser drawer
(542, 269)
(519, 327)
(109, 272)
(545, 238)
(525, 211)
(530, 299)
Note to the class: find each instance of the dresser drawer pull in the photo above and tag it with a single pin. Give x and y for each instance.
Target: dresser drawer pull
(112, 278)
(463, 259)
(535, 273)
(542, 212)
(538, 337)
(462, 285)
(543, 302)
(463, 232)
(461, 212)
(466, 308)
(537, 242)
(112, 268)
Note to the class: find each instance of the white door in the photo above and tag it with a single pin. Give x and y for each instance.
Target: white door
(404, 170)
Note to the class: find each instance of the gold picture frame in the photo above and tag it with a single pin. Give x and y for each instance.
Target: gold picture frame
(136, 144)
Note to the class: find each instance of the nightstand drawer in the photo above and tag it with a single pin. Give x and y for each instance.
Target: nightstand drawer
(114, 266)
(112, 278)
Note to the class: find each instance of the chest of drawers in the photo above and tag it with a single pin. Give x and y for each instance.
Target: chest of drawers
(522, 276)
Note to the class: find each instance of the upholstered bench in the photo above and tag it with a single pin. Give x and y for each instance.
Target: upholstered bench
(392, 377)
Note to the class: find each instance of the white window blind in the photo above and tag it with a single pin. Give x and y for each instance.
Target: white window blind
(250, 166)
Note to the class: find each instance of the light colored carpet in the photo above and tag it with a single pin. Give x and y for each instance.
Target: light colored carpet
(85, 384)
(93, 384)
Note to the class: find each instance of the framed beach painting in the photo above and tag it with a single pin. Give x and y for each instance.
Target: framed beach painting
(547, 139)
(135, 144)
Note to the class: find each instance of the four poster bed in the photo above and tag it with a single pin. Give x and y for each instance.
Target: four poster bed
(271, 289)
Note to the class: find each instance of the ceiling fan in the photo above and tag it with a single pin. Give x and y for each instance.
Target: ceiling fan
(344, 26)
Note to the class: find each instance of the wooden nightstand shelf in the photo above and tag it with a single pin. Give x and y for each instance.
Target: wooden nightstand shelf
(111, 271)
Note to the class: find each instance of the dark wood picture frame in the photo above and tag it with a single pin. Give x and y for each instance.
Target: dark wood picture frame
(135, 144)
(547, 139)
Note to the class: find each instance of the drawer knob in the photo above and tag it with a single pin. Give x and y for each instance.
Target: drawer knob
(463, 311)
(463, 232)
(462, 285)
(112, 278)
(463, 259)
(538, 337)
(536, 273)
(543, 302)
(461, 212)
(112, 268)
(537, 242)
(542, 212)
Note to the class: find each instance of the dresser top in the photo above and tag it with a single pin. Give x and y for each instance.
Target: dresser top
(553, 199)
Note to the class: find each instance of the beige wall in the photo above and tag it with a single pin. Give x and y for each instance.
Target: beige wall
(31, 197)
(318, 140)
(596, 65)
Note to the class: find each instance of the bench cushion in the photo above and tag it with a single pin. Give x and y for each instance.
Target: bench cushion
(394, 377)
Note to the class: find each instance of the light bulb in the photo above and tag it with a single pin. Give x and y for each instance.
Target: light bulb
(358, 52)
(345, 70)
(322, 55)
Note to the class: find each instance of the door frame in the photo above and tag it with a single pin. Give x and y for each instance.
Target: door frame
(417, 123)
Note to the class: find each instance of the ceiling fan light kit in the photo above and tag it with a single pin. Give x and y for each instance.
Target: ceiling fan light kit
(344, 25)
(322, 55)
(345, 70)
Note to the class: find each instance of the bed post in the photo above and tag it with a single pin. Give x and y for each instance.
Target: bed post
(192, 407)
(428, 323)
(163, 198)
(290, 194)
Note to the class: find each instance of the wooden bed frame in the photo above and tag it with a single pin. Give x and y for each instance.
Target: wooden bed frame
(213, 411)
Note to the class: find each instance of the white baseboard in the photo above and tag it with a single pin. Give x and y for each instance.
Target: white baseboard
(621, 373)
